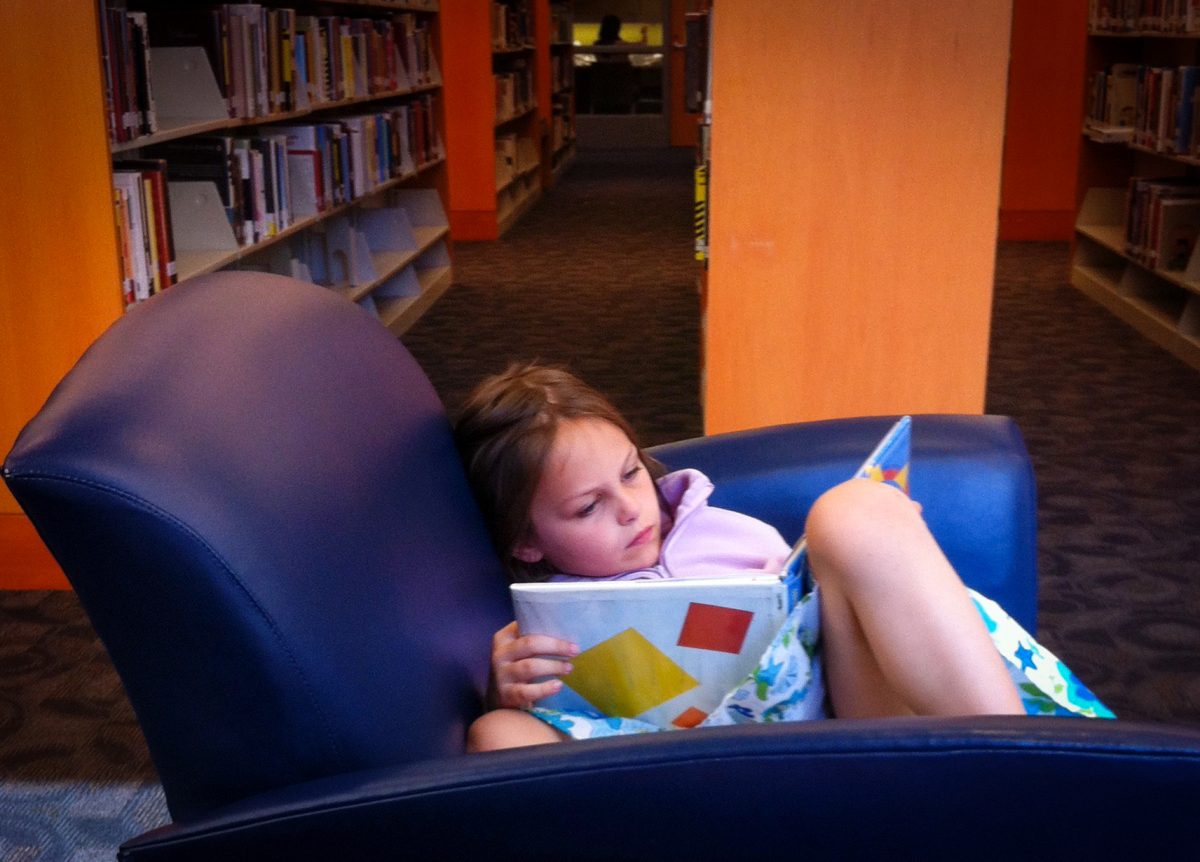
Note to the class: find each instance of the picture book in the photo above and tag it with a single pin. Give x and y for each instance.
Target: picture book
(667, 652)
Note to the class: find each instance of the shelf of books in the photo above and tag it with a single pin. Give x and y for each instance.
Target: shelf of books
(1139, 217)
(562, 86)
(518, 158)
(256, 136)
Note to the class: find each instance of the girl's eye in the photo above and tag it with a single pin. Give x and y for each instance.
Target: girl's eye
(587, 510)
(632, 474)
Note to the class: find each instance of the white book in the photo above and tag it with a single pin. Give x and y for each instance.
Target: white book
(655, 650)
(358, 156)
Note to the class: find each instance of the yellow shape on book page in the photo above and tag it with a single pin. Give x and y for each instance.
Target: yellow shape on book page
(627, 675)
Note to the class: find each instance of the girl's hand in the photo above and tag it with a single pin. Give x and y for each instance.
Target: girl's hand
(517, 661)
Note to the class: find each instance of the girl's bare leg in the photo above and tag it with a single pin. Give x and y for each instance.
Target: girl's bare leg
(900, 633)
(509, 728)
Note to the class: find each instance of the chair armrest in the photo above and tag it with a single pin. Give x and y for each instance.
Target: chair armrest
(971, 474)
(893, 788)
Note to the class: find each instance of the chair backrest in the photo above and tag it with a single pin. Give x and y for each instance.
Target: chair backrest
(971, 474)
(254, 491)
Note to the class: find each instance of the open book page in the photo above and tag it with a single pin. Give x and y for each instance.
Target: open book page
(666, 652)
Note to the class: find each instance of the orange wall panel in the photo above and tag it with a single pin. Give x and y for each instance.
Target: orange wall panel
(856, 153)
(1045, 114)
(470, 118)
(58, 265)
(25, 564)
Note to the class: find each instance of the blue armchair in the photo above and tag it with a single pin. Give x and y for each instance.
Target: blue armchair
(253, 489)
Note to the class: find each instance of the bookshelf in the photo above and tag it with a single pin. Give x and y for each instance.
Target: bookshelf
(561, 89)
(297, 139)
(1139, 212)
(510, 120)
(60, 267)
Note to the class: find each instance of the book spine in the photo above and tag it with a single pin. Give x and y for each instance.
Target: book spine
(238, 104)
(262, 85)
(129, 113)
(326, 197)
(166, 238)
(264, 178)
(219, 52)
(124, 251)
(274, 62)
(287, 58)
(346, 57)
(283, 180)
(106, 64)
(150, 220)
(245, 193)
(130, 183)
(147, 114)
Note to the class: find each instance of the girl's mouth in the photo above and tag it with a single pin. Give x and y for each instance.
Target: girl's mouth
(642, 537)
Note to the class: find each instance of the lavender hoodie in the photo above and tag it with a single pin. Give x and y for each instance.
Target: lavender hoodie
(703, 541)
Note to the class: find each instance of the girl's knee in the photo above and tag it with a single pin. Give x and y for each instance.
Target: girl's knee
(859, 518)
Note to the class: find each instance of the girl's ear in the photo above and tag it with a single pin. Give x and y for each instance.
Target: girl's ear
(527, 552)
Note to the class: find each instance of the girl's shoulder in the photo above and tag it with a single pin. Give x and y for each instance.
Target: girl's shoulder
(684, 490)
(701, 529)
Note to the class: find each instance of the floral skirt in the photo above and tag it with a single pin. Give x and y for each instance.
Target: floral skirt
(787, 684)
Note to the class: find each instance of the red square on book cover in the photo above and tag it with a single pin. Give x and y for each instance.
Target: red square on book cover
(713, 627)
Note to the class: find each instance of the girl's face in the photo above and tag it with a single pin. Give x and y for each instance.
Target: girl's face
(595, 511)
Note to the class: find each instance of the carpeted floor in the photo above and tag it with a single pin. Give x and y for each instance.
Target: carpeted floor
(600, 276)
(1113, 428)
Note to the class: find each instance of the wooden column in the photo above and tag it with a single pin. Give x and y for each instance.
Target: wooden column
(59, 284)
(855, 181)
(470, 117)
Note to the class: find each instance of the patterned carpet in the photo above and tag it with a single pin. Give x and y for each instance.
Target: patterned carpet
(1112, 425)
(599, 275)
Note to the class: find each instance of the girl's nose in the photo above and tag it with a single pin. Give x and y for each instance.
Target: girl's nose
(628, 509)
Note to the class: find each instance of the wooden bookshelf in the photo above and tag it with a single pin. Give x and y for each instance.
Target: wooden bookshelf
(394, 81)
(500, 108)
(1114, 263)
(559, 92)
(60, 263)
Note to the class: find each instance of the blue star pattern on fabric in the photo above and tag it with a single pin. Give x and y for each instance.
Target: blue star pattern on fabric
(1047, 686)
(1025, 656)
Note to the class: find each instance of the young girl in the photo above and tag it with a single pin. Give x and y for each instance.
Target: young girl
(569, 495)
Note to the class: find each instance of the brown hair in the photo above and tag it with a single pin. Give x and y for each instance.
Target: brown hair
(504, 433)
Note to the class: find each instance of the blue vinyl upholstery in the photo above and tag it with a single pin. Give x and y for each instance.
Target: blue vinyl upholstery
(252, 488)
(254, 492)
(971, 475)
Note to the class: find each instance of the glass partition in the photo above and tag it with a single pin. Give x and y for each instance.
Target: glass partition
(619, 57)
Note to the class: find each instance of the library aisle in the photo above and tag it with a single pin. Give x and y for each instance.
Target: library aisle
(599, 276)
